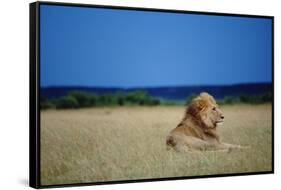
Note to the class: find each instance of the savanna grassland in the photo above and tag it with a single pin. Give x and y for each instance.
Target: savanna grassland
(126, 143)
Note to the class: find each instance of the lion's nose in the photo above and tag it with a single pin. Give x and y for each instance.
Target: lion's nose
(222, 117)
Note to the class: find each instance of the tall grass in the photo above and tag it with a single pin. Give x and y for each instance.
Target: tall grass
(123, 143)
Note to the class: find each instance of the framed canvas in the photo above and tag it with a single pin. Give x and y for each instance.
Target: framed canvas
(126, 94)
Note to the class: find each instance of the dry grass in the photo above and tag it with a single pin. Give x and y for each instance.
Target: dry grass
(109, 144)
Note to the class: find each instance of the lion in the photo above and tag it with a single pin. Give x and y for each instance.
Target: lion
(197, 131)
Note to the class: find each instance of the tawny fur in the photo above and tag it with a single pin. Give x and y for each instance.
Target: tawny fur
(198, 129)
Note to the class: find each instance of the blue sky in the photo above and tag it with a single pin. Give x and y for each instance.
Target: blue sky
(120, 48)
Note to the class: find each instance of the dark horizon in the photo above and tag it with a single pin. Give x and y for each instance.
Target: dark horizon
(164, 92)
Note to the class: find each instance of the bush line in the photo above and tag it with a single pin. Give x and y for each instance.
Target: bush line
(79, 99)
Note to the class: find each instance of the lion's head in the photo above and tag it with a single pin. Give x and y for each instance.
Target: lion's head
(205, 109)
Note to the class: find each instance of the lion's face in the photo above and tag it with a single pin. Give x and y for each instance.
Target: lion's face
(212, 116)
(205, 108)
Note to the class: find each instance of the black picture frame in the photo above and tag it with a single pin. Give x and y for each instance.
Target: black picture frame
(34, 93)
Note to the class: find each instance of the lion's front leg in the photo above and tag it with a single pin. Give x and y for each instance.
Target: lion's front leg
(230, 147)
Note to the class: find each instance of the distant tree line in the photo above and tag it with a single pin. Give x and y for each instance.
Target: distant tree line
(248, 99)
(242, 99)
(79, 99)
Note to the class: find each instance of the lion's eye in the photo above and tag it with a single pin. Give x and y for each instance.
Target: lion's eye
(214, 108)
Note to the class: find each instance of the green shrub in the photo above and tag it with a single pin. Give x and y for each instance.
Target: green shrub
(67, 102)
(190, 98)
(154, 102)
(93, 99)
(137, 97)
(267, 97)
(83, 98)
(141, 98)
(230, 100)
(46, 105)
(256, 99)
(121, 98)
(107, 100)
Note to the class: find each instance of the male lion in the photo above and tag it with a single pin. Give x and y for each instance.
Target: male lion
(198, 128)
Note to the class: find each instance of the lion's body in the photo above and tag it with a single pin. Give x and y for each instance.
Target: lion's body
(198, 128)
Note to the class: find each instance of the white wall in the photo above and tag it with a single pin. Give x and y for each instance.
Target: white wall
(14, 76)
